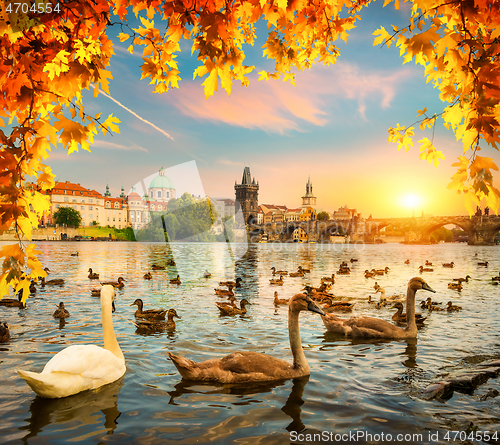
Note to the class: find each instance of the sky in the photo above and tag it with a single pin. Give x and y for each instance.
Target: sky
(331, 126)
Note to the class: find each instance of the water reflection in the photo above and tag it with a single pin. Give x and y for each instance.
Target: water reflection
(292, 406)
(410, 353)
(81, 408)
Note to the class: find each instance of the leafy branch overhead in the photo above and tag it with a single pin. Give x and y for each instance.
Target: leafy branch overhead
(48, 59)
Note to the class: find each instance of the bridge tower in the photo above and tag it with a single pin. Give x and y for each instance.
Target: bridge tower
(247, 196)
(309, 200)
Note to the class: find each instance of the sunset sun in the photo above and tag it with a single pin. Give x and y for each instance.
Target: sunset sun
(411, 201)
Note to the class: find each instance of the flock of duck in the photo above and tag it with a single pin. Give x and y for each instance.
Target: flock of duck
(81, 367)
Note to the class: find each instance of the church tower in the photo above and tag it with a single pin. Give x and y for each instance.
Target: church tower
(309, 200)
(247, 196)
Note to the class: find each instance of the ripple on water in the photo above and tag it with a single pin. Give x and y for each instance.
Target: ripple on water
(373, 385)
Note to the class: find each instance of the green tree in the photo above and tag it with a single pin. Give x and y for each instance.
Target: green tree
(323, 216)
(68, 216)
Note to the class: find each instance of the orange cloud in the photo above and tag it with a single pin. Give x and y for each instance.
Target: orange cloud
(277, 107)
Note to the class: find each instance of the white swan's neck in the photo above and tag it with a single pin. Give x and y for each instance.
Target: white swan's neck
(108, 333)
(299, 359)
(411, 326)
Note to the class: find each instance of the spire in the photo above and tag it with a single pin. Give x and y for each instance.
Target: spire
(247, 178)
(107, 193)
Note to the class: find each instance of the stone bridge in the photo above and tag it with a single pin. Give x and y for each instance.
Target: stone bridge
(481, 230)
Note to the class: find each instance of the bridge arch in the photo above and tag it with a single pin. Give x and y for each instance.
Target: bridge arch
(427, 232)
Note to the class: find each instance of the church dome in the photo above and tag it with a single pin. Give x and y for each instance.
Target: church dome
(161, 181)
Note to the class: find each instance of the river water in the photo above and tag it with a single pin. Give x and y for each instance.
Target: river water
(367, 387)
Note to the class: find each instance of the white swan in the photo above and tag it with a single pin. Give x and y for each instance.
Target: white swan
(370, 327)
(81, 367)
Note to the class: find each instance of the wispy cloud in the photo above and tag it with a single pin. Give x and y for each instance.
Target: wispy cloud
(113, 146)
(134, 113)
(277, 107)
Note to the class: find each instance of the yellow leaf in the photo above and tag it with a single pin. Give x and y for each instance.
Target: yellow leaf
(210, 83)
(110, 124)
(420, 112)
(122, 36)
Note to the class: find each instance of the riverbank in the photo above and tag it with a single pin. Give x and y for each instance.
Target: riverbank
(72, 234)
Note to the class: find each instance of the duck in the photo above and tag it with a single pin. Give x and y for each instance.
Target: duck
(170, 318)
(370, 301)
(46, 270)
(229, 292)
(156, 314)
(455, 286)
(451, 307)
(13, 302)
(4, 332)
(230, 310)
(93, 275)
(315, 295)
(344, 271)
(452, 264)
(400, 316)
(369, 274)
(353, 260)
(496, 278)
(407, 262)
(301, 269)
(329, 279)
(483, 263)
(234, 284)
(155, 267)
(434, 308)
(370, 327)
(393, 298)
(54, 282)
(151, 324)
(376, 286)
(278, 301)
(32, 287)
(383, 271)
(278, 272)
(79, 368)
(429, 303)
(74, 254)
(176, 280)
(461, 280)
(425, 269)
(148, 276)
(171, 262)
(278, 282)
(61, 312)
(116, 284)
(95, 292)
(428, 263)
(248, 366)
(333, 306)
(207, 274)
(296, 274)
(322, 289)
